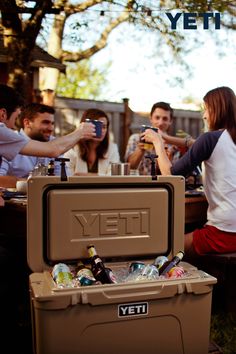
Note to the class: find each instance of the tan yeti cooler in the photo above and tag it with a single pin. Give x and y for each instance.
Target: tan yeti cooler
(126, 218)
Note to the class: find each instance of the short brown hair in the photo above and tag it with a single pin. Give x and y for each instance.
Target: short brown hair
(31, 110)
(163, 105)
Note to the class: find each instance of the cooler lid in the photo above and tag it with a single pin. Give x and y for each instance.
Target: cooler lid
(128, 217)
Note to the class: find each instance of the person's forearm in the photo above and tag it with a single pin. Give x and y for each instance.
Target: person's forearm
(59, 145)
(163, 160)
(63, 143)
(135, 158)
(181, 142)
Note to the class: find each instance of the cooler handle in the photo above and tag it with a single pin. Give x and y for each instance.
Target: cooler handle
(126, 293)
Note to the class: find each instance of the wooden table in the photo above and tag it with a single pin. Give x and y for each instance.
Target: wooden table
(13, 218)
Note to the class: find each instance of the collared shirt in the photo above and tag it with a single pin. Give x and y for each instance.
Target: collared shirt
(11, 142)
(144, 167)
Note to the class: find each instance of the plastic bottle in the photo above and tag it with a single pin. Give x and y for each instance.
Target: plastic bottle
(170, 264)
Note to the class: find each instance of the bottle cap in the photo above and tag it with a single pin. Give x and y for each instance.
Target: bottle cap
(180, 254)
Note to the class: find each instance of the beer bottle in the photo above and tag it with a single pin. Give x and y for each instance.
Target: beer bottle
(170, 264)
(98, 268)
(51, 168)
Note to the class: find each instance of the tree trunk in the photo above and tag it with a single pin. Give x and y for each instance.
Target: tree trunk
(19, 74)
(19, 37)
(50, 76)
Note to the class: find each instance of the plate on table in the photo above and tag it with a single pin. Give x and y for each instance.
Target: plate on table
(194, 193)
(8, 194)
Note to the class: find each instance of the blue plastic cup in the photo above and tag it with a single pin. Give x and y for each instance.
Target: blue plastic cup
(98, 125)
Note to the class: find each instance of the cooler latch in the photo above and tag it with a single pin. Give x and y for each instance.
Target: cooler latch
(63, 161)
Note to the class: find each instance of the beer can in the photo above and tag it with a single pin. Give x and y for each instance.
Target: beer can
(62, 275)
(86, 280)
(149, 272)
(85, 277)
(159, 261)
(147, 145)
(134, 266)
(111, 276)
(176, 272)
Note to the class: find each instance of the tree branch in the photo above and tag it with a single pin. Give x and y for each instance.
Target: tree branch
(100, 44)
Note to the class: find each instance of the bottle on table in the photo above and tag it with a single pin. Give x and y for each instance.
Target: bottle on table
(166, 267)
(51, 168)
(99, 270)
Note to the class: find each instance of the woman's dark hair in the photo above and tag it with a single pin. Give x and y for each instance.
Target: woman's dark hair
(162, 105)
(10, 99)
(221, 105)
(101, 150)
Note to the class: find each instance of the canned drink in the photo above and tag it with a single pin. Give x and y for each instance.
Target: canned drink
(111, 275)
(147, 145)
(62, 275)
(149, 272)
(176, 272)
(159, 261)
(135, 266)
(86, 280)
(59, 268)
(85, 277)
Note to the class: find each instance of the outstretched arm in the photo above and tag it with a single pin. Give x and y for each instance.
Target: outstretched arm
(59, 145)
(175, 140)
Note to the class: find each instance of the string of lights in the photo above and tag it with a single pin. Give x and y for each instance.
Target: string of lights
(143, 9)
(148, 12)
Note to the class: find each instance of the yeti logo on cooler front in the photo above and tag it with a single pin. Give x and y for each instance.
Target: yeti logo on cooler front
(135, 309)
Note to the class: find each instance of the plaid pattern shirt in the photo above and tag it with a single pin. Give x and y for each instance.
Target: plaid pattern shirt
(144, 167)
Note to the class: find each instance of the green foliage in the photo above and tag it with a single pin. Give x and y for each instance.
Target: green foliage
(223, 331)
(82, 81)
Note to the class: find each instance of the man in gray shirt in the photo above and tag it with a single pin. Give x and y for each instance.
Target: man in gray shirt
(37, 122)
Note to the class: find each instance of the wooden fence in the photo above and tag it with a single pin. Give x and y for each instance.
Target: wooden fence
(123, 120)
